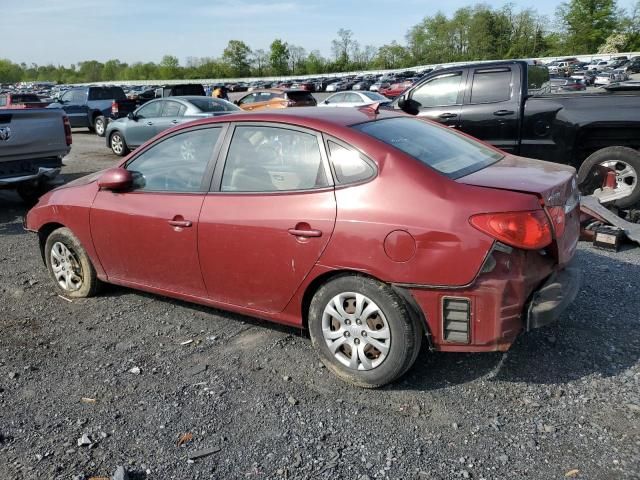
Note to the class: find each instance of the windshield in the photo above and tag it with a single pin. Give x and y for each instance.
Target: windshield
(209, 105)
(375, 96)
(447, 152)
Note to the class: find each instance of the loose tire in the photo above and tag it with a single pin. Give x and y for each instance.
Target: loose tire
(69, 265)
(363, 331)
(100, 126)
(625, 162)
(118, 144)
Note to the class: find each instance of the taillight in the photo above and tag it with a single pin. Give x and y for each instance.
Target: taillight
(114, 108)
(67, 130)
(529, 230)
(558, 219)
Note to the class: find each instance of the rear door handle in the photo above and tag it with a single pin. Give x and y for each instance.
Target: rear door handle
(305, 233)
(447, 116)
(503, 113)
(180, 223)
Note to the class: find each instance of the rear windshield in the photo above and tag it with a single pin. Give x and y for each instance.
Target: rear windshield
(192, 89)
(300, 96)
(106, 93)
(206, 104)
(22, 98)
(447, 152)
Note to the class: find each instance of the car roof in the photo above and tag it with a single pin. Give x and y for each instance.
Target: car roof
(277, 90)
(310, 117)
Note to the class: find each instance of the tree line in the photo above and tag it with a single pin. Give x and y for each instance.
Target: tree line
(479, 32)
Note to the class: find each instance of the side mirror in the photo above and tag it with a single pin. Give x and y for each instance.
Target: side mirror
(132, 116)
(402, 101)
(236, 102)
(326, 102)
(115, 179)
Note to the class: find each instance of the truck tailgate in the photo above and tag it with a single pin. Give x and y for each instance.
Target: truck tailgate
(29, 134)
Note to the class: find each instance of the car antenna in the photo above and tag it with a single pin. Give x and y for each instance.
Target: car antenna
(371, 108)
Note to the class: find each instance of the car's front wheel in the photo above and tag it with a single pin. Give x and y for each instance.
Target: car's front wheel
(69, 265)
(118, 144)
(363, 331)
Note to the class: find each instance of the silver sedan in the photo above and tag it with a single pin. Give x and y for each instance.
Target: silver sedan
(153, 117)
(354, 99)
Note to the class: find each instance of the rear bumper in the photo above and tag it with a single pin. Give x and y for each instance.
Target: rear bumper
(557, 293)
(44, 174)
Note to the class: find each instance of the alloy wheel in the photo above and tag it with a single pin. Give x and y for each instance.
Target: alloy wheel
(117, 145)
(66, 267)
(626, 175)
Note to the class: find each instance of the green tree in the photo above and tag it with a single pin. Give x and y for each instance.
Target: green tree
(236, 55)
(587, 23)
(315, 63)
(90, 71)
(341, 47)
(279, 57)
(10, 72)
(169, 68)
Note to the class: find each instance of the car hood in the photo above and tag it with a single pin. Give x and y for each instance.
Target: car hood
(552, 182)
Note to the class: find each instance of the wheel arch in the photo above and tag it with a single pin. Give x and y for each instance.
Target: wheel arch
(43, 233)
(593, 138)
(410, 303)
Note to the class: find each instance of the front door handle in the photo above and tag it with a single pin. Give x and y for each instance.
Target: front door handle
(503, 113)
(180, 223)
(149, 123)
(175, 122)
(305, 233)
(447, 116)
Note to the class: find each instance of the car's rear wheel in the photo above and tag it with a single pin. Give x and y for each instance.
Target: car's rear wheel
(625, 163)
(69, 265)
(118, 144)
(100, 126)
(363, 331)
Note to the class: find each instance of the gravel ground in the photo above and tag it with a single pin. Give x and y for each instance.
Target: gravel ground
(117, 380)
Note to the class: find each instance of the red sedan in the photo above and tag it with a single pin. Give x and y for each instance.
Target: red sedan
(376, 231)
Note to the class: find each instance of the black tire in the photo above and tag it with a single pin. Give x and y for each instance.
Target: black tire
(100, 126)
(77, 262)
(405, 334)
(113, 142)
(624, 154)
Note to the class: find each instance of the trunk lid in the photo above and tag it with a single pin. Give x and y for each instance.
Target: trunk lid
(554, 184)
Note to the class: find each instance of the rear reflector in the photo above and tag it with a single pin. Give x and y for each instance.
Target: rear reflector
(529, 230)
(456, 317)
(67, 130)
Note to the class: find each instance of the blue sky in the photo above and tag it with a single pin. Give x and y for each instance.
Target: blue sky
(67, 31)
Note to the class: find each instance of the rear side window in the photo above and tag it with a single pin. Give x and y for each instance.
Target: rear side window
(449, 153)
(271, 159)
(173, 109)
(300, 96)
(491, 85)
(106, 93)
(348, 165)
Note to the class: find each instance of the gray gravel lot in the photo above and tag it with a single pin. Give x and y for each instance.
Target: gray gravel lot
(88, 385)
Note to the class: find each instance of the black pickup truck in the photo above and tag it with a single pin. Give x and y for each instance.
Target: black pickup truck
(94, 107)
(509, 104)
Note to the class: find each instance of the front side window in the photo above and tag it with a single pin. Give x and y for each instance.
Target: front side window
(78, 97)
(248, 99)
(176, 164)
(271, 159)
(449, 153)
(150, 110)
(439, 91)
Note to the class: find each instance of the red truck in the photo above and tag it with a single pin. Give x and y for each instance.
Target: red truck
(21, 100)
